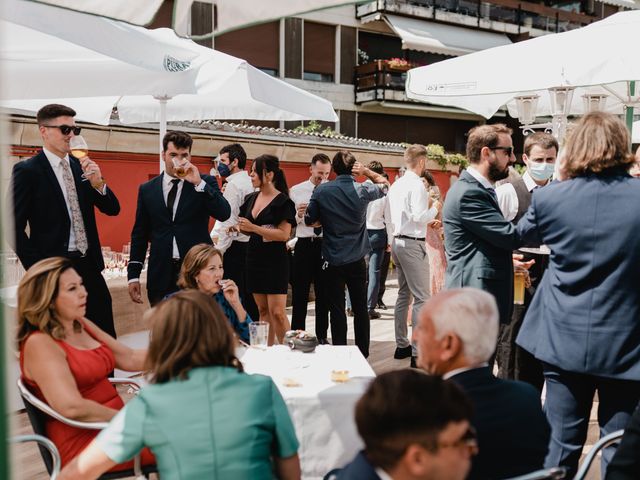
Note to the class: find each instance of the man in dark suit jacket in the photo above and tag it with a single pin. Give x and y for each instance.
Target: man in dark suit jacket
(421, 434)
(55, 194)
(172, 215)
(457, 333)
(478, 240)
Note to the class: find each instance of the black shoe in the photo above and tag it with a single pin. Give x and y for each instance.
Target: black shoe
(373, 315)
(349, 312)
(413, 362)
(381, 305)
(402, 352)
(323, 341)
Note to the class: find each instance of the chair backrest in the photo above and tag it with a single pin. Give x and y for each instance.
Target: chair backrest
(604, 442)
(553, 473)
(48, 445)
(332, 475)
(38, 421)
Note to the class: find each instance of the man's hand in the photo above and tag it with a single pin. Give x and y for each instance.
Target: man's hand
(302, 208)
(522, 267)
(91, 172)
(135, 292)
(193, 174)
(435, 223)
(359, 169)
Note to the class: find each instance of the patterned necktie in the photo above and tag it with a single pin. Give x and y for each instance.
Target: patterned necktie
(317, 231)
(171, 198)
(76, 214)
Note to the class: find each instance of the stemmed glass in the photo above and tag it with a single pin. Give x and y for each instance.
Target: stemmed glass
(79, 149)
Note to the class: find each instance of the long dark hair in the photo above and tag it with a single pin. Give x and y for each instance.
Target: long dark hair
(270, 163)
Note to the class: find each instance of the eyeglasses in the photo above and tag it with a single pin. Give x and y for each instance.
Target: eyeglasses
(507, 150)
(66, 129)
(468, 440)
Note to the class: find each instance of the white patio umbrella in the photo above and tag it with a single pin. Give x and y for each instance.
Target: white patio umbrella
(601, 58)
(43, 68)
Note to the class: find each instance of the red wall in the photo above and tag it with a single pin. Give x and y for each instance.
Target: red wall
(125, 172)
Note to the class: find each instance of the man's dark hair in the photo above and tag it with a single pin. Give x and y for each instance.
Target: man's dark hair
(406, 407)
(484, 136)
(320, 157)
(376, 166)
(53, 110)
(236, 152)
(342, 162)
(541, 139)
(179, 140)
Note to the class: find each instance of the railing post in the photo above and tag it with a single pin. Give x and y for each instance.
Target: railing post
(478, 12)
(557, 21)
(519, 18)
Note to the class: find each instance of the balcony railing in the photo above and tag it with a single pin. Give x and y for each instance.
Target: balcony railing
(519, 16)
(380, 79)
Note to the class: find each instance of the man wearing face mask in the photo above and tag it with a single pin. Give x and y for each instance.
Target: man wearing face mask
(231, 163)
(514, 198)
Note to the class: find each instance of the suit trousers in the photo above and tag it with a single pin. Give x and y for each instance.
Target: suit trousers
(384, 271)
(234, 263)
(354, 276)
(378, 241)
(99, 306)
(568, 407)
(156, 296)
(412, 263)
(307, 268)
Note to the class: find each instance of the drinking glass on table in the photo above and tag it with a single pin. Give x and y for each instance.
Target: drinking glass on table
(258, 334)
(79, 149)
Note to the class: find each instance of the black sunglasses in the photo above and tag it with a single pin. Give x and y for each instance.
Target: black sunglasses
(66, 129)
(507, 150)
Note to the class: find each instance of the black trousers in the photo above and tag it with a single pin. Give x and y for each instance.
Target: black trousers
(234, 264)
(156, 296)
(99, 307)
(384, 271)
(307, 268)
(354, 276)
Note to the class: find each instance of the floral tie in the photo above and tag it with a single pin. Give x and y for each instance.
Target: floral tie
(76, 215)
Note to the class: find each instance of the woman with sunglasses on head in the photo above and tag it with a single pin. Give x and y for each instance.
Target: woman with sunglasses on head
(268, 216)
(202, 416)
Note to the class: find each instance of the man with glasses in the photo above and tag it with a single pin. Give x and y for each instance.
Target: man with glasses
(55, 194)
(478, 239)
(424, 433)
(456, 336)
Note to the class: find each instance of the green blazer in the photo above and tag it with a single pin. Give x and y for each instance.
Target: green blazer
(478, 242)
(217, 424)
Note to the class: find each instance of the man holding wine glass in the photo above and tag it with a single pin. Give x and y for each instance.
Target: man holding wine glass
(55, 193)
(173, 215)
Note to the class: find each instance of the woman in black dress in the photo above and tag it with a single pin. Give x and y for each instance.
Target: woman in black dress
(268, 216)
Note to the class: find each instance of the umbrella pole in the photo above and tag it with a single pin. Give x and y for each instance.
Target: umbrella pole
(163, 125)
(628, 109)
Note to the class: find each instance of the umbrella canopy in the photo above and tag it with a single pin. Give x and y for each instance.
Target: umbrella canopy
(601, 58)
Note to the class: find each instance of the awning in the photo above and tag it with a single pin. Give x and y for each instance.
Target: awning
(622, 3)
(444, 39)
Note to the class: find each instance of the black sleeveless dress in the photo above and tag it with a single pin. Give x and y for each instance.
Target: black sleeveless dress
(267, 267)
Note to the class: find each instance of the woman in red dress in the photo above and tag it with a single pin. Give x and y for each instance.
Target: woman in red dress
(65, 359)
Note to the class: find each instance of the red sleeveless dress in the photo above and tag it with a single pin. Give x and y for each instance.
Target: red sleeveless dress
(90, 369)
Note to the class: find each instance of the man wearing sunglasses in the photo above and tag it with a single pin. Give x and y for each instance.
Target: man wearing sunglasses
(478, 239)
(456, 335)
(55, 194)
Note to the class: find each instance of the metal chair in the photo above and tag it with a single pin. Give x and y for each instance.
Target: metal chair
(47, 444)
(37, 409)
(553, 473)
(603, 443)
(332, 475)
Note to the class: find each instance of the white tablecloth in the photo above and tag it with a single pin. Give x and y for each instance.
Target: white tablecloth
(322, 411)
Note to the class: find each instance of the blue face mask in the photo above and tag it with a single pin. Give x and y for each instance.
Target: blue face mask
(223, 170)
(541, 171)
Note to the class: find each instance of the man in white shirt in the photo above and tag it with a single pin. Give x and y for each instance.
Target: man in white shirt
(307, 258)
(231, 164)
(514, 198)
(409, 211)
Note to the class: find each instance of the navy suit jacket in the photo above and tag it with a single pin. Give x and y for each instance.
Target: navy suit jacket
(359, 469)
(513, 433)
(585, 315)
(39, 202)
(479, 243)
(189, 227)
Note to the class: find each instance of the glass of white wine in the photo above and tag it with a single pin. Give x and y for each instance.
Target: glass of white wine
(79, 149)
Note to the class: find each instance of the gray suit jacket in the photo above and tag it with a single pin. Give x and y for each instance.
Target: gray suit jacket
(478, 241)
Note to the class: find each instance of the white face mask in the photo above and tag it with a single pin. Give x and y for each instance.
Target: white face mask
(541, 170)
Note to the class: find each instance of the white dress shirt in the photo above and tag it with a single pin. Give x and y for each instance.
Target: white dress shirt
(375, 213)
(238, 187)
(56, 165)
(508, 198)
(299, 194)
(484, 181)
(408, 207)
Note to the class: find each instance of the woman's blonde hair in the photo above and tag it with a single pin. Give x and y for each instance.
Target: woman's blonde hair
(189, 330)
(194, 261)
(598, 143)
(37, 291)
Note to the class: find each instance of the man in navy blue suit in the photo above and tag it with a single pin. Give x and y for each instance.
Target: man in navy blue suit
(422, 433)
(456, 335)
(172, 215)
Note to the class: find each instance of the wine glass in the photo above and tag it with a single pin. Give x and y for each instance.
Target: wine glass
(79, 149)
